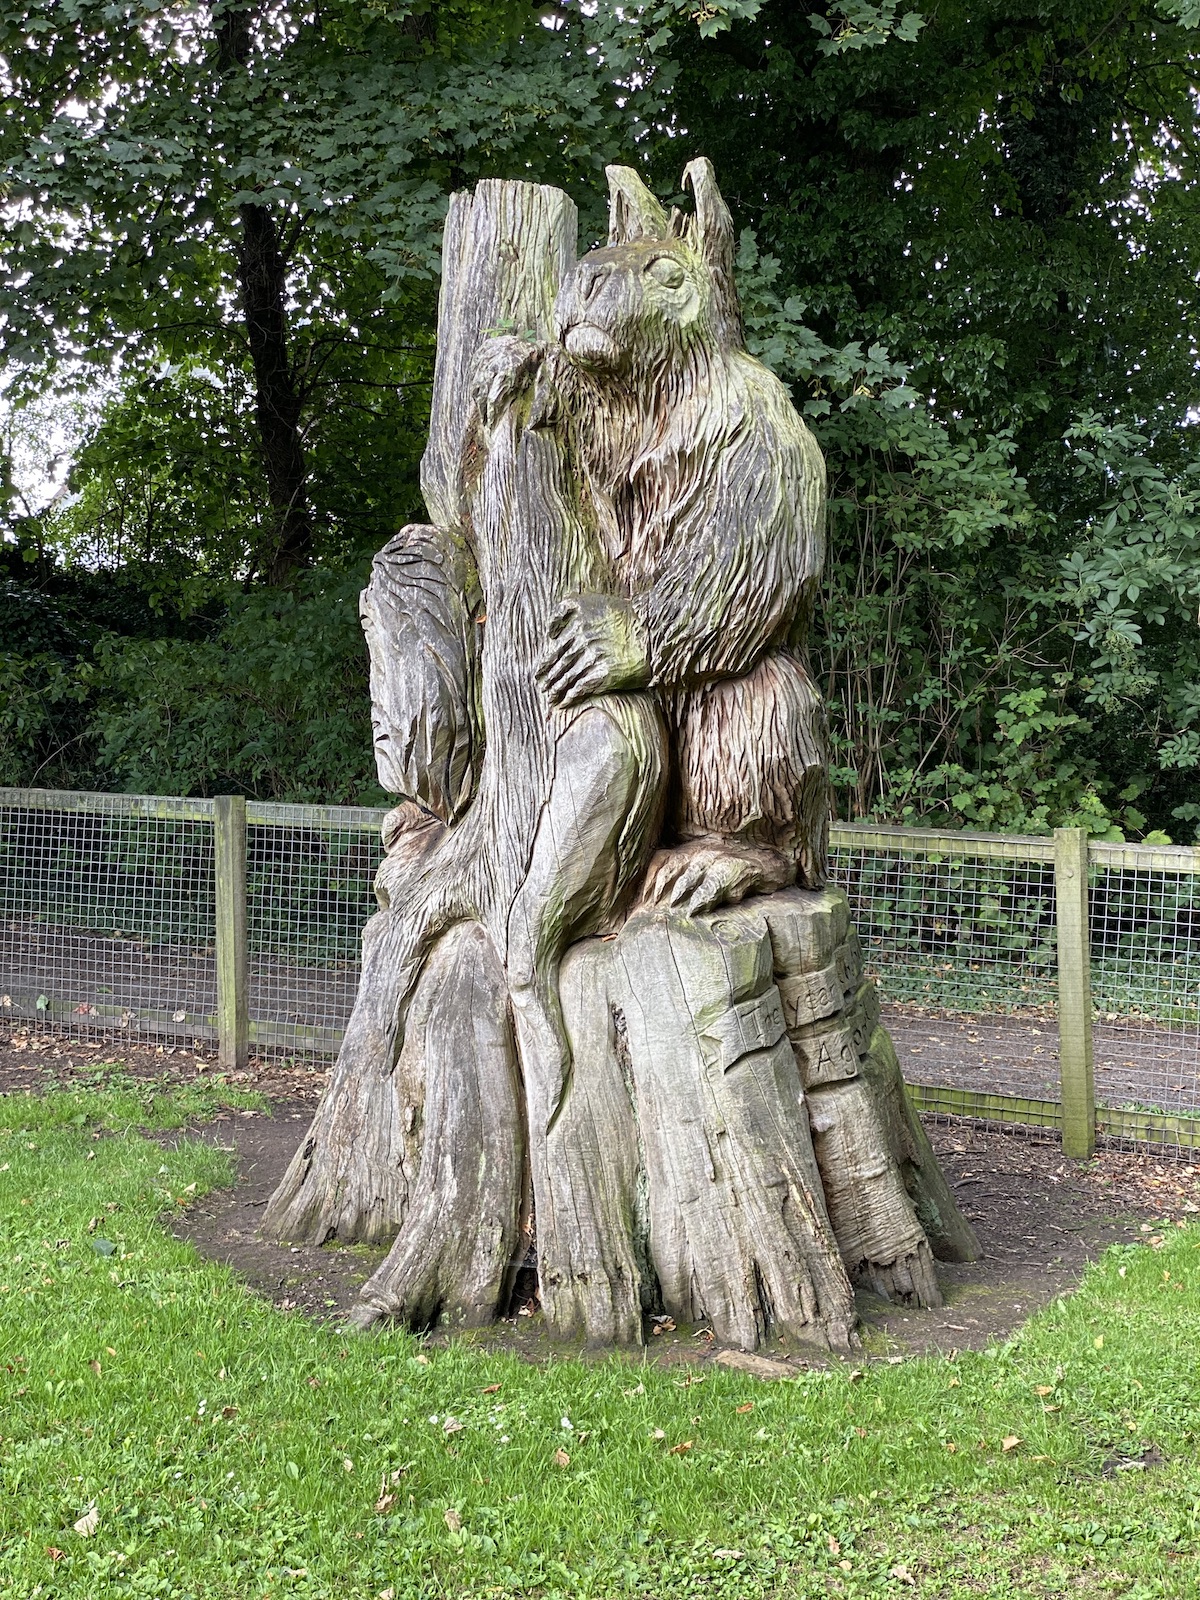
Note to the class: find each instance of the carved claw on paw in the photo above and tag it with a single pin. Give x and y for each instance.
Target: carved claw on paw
(696, 878)
(504, 367)
(595, 647)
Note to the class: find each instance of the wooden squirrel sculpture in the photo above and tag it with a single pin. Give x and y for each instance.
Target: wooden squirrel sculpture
(707, 493)
(638, 526)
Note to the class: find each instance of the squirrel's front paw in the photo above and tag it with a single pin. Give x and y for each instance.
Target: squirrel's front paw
(504, 367)
(700, 877)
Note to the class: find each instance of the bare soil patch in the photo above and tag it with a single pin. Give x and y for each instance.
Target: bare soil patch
(1040, 1218)
(35, 1061)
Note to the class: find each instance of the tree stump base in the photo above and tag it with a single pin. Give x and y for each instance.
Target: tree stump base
(734, 1144)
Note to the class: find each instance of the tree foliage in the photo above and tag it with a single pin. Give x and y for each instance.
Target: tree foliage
(982, 243)
(971, 239)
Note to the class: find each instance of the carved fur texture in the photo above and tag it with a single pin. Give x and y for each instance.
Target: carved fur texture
(709, 493)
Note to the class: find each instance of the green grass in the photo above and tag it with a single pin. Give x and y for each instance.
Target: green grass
(234, 1451)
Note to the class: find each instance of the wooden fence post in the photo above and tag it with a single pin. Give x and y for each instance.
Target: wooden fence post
(233, 1013)
(1074, 992)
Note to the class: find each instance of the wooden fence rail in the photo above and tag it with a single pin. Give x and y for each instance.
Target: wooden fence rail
(1069, 852)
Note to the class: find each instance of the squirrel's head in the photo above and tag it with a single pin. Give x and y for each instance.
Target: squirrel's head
(661, 285)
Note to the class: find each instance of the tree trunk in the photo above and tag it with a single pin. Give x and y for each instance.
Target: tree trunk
(262, 278)
(697, 1094)
(262, 282)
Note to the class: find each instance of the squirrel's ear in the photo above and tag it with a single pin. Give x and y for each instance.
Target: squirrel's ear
(711, 235)
(633, 212)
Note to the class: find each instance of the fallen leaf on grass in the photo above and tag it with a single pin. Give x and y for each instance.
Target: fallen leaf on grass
(629, 1393)
(88, 1522)
(95, 1366)
(1009, 1442)
(452, 1425)
(835, 1548)
(421, 1360)
(54, 1552)
(681, 1449)
(903, 1575)
(387, 1594)
(658, 1433)
(749, 1406)
(229, 1411)
(1043, 1389)
(491, 1388)
(561, 1458)
(727, 1555)
(452, 1519)
(1098, 1341)
(386, 1500)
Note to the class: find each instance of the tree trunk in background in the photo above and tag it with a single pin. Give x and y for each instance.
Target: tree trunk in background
(262, 277)
(262, 280)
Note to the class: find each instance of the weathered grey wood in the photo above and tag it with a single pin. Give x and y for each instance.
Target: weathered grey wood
(506, 250)
(233, 1013)
(716, 1187)
(419, 613)
(457, 1254)
(589, 688)
(950, 1235)
(1074, 992)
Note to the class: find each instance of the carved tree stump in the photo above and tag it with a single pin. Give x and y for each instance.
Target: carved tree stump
(671, 1068)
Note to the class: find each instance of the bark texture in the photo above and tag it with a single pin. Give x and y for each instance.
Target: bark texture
(606, 978)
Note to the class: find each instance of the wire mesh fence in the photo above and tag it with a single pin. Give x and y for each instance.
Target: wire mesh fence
(109, 926)
(1145, 940)
(108, 919)
(962, 942)
(309, 872)
(106, 914)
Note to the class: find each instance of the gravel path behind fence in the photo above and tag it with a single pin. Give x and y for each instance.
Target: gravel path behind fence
(99, 986)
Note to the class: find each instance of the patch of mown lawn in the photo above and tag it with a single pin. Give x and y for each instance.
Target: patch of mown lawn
(228, 1451)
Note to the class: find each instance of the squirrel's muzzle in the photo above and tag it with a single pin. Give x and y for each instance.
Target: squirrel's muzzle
(591, 347)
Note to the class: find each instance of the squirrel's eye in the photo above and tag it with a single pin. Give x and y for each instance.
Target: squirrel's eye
(667, 272)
